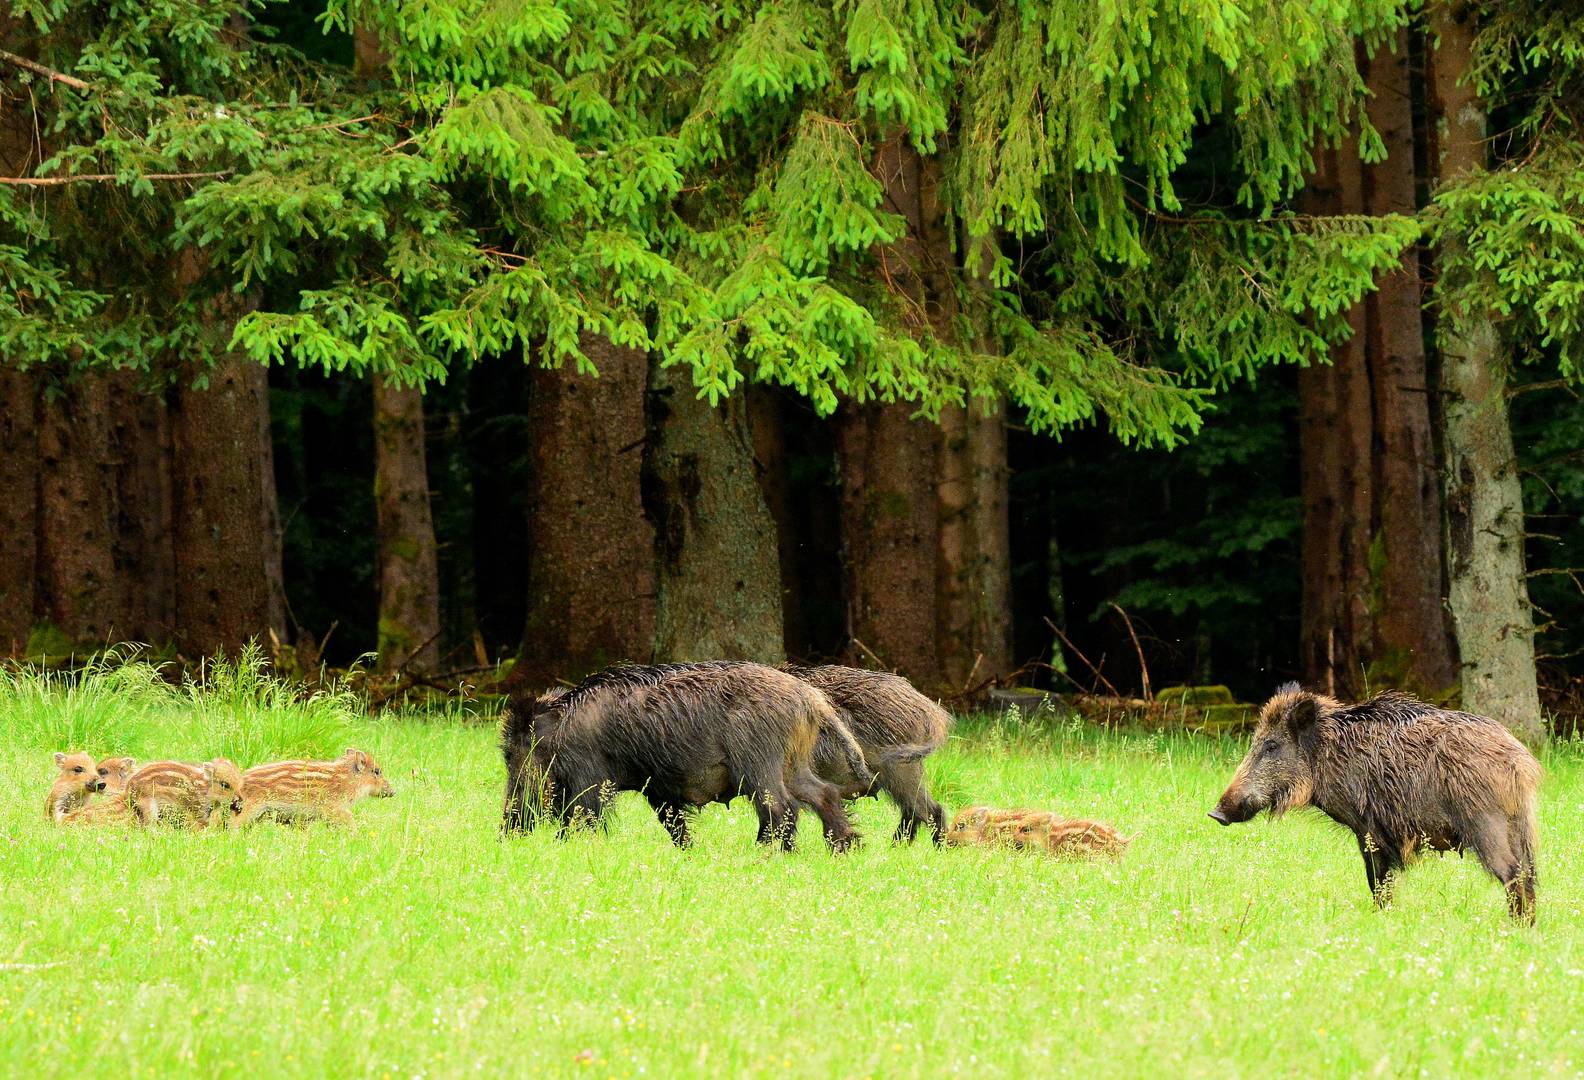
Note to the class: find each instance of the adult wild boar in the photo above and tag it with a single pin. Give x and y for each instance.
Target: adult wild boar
(1404, 776)
(682, 734)
(897, 728)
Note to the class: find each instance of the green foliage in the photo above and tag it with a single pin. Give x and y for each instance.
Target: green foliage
(701, 181)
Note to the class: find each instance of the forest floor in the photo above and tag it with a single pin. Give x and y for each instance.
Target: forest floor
(419, 943)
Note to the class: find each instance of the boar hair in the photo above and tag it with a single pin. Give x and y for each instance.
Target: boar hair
(684, 735)
(896, 727)
(1404, 776)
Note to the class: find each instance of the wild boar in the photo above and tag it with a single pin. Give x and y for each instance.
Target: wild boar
(1039, 830)
(113, 774)
(896, 727)
(179, 793)
(304, 790)
(1404, 776)
(684, 735)
(75, 780)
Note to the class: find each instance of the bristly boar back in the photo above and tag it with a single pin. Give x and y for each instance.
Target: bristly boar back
(682, 734)
(896, 726)
(1404, 776)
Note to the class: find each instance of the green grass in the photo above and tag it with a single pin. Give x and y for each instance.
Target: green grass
(418, 943)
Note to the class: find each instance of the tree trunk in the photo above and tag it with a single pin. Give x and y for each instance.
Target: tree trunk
(1484, 502)
(140, 436)
(717, 573)
(974, 583)
(77, 512)
(227, 527)
(1412, 631)
(1372, 569)
(498, 476)
(591, 576)
(409, 572)
(19, 509)
(891, 540)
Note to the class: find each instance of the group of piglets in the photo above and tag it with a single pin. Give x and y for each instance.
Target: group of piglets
(213, 794)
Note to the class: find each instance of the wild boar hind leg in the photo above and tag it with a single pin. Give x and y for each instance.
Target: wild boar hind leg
(1504, 848)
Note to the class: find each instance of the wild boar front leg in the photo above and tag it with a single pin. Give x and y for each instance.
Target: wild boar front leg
(826, 801)
(674, 817)
(1379, 870)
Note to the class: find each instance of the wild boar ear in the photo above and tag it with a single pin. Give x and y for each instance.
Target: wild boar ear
(60, 758)
(208, 770)
(1304, 714)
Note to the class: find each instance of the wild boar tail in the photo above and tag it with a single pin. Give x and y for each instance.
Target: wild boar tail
(902, 755)
(850, 748)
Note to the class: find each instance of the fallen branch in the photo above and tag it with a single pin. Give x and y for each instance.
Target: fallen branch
(39, 69)
(57, 181)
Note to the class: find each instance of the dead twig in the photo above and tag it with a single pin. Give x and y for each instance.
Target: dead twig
(1143, 667)
(1068, 642)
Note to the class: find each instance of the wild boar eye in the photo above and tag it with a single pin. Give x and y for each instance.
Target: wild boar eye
(1269, 747)
(78, 769)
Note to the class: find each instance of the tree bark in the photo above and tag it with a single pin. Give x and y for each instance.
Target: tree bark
(891, 540)
(591, 551)
(19, 509)
(1488, 595)
(227, 527)
(1373, 608)
(717, 573)
(1412, 629)
(974, 582)
(77, 512)
(409, 570)
(140, 437)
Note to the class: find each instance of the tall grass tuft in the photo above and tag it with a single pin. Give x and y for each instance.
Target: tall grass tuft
(121, 703)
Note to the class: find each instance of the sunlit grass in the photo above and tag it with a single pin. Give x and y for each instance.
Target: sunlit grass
(420, 943)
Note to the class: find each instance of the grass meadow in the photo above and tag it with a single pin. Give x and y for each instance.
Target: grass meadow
(418, 943)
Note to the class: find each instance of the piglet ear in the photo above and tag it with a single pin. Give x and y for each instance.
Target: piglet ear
(60, 758)
(1304, 714)
(208, 770)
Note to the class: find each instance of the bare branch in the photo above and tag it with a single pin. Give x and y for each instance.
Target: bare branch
(57, 181)
(39, 69)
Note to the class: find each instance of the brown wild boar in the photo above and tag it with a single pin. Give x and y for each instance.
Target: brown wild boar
(76, 778)
(1037, 830)
(302, 790)
(682, 734)
(1404, 776)
(896, 727)
(113, 774)
(111, 808)
(179, 793)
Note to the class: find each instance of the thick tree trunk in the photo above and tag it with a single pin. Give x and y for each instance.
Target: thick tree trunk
(717, 572)
(19, 509)
(591, 577)
(145, 560)
(891, 538)
(973, 571)
(227, 527)
(1413, 632)
(1372, 568)
(409, 571)
(77, 512)
(1484, 502)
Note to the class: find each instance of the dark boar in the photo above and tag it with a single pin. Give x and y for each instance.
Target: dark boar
(1404, 776)
(896, 727)
(682, 734)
